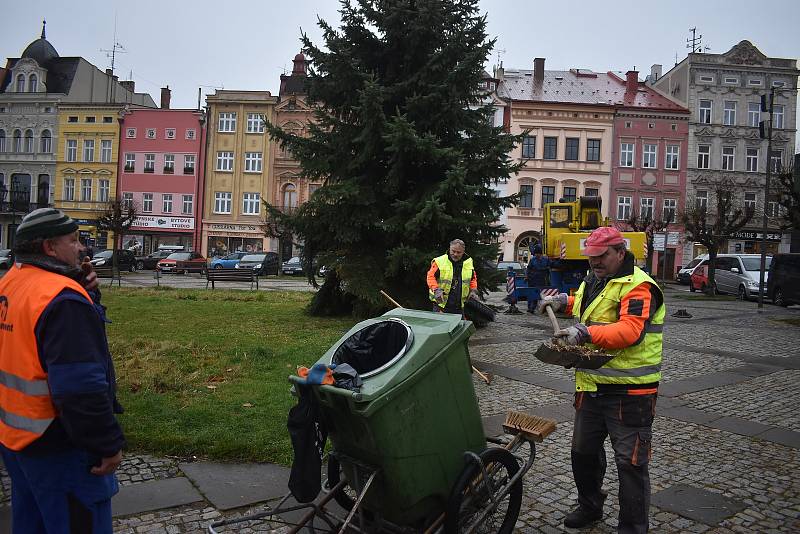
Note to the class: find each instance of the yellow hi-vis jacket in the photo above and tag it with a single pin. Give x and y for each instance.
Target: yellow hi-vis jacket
(446, 278)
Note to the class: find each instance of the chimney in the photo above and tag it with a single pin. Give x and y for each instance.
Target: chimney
(632, 81)
(109, 72)
(130, 85)
(499, 72)
(115, 78)
(655, 72)
(538, 70)
(165, 96)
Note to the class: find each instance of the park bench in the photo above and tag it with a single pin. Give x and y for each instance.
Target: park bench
(231, 275)
(107, 271)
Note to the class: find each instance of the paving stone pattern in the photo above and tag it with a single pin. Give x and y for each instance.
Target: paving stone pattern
(726, 427)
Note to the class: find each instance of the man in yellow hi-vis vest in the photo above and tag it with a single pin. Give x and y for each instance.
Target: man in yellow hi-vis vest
(621, 311)
(452, 279)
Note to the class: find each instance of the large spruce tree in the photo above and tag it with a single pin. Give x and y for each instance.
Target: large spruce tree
(405, 147)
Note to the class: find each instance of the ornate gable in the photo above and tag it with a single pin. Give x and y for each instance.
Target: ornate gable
(745, 53)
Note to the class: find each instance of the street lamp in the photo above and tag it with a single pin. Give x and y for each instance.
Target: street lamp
(765, 130)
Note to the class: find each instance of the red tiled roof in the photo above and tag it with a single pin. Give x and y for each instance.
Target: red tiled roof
(644, 97)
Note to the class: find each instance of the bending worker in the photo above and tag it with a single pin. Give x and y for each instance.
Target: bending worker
(448, 271)
(621, 312)
(59, 437)
(536, 272)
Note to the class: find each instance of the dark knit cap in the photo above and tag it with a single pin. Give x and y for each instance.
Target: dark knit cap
(45, 223)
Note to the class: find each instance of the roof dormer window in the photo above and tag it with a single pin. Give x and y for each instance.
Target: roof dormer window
(33, 83)
(20, 83)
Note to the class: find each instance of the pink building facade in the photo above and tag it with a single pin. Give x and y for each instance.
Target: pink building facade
(648, 176)
(160, 168)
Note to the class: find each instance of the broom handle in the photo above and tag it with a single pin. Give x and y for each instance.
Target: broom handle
(390, 299)
(553, 320)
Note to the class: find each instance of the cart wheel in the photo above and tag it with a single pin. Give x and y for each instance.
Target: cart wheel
(471, 495)
(346, 497)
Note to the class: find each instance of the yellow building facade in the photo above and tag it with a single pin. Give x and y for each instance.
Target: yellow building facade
(238, 167)
(86, 166)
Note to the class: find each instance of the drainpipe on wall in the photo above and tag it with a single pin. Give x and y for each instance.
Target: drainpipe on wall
(201, 179)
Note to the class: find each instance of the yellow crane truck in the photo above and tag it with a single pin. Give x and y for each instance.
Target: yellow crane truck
(565, 227)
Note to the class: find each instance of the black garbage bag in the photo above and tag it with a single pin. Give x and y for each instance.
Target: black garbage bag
(308, 435)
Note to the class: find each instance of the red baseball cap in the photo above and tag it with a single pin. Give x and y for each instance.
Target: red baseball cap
(600, 239)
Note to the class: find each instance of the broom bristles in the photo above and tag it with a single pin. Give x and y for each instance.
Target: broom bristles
(530, 426)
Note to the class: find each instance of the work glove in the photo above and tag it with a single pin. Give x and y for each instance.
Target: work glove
(574, 335)
(473, 294)
(438, 294)
(557, 302)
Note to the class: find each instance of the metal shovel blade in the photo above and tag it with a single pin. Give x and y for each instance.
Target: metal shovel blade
(571, 356)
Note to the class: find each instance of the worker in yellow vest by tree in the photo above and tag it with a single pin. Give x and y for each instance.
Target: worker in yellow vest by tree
(452, 279)
(621, 311)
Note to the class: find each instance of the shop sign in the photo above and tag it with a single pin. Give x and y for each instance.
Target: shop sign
(147, 221)
(234, 227)
(756, 236)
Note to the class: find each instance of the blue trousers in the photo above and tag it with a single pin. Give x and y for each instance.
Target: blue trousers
(56, 494)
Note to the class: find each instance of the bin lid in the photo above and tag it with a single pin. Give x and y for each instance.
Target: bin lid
(375, 347)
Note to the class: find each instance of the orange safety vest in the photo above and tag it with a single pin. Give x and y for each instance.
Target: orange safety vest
(26, 409)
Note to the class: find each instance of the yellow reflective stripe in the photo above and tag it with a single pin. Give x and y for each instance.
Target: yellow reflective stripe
(634, 371)
(36, 426)
(28, 387)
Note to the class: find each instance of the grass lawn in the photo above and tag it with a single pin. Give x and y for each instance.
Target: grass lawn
(204, 372)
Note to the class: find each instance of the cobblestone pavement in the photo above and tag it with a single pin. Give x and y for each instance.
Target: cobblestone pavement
(728, 426)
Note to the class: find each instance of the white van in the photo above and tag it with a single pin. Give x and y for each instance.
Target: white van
(685, 274)
(738, 274)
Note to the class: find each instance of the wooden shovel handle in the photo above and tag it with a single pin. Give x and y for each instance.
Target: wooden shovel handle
(553, 320)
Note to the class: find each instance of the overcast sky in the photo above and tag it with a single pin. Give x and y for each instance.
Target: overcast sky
(247, 44)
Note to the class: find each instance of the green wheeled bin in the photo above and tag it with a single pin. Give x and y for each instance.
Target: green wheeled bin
(414, 416)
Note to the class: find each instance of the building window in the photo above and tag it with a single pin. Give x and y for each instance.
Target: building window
(777, 116)
(251, 204)
(29, 141)
(753, 114)
(649, 156)
(169, 163)
(91, 119)
(108, 120)
(127, 200)
(591, 192)
(224, 161)
(169, 133)
(130, 162)
(570, 194)
(728, 157)
(20, 83)
(72, 118)
(227, 122)
(707, 79)
(190, 133)
(628, 124)
(72, 150)
(289, 196)
(729, 113)
(701, 200)
(776, 160)
(166, 203)
(2, 140)
(105, 151)
(526, 196)
(572, 149)
(626, 155)
(548, 194)
(646, 206)
(674, 127)
(188, 164)
(46, 142)
(69, 189)
(222, 202)
(705, 112)
(252, 162)
(593, 150)
(254, 123)
(150, 133)
(149, 163)
(752, 160)
(529, 146)
(750, 201)
(188, 204)
(754, 82)
(703, 156)
(88, 150)
(773, 209)
(670, 210)
(778, 83)
(130, 133)
(550, 147)
(623, 208)
(312, 188)
(731, 80)
(673, 157)
(103, 191)
(147, 202)
(86, 189)
(17, 140)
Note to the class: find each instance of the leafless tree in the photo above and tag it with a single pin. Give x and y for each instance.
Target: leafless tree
(787, 193)
(644, 223)
(712, 226)
(118, 218)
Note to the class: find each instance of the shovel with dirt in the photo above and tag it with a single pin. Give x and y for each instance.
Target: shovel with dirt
(569, 356)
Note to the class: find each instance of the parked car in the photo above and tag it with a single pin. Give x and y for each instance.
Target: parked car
(699, 278)
(738, 274)
(228, 261)
(264, 263)
(126, 261)
(517, 266)
(190, 262)
(151, 260)
(685, 273)
(293, 266)
(784, 279)
(5, 258)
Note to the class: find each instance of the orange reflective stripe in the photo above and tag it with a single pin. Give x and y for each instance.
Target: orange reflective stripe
(649, 391)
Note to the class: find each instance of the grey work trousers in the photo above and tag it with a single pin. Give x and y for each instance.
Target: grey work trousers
(628, 420)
